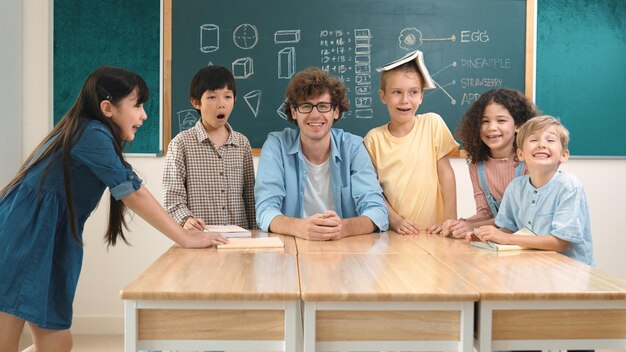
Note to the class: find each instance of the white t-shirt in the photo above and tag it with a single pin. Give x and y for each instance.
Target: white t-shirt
(318, 193)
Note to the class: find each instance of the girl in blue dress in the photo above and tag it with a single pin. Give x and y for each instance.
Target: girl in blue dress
(43, 209)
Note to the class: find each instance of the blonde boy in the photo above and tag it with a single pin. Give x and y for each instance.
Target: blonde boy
(411, 153)
(547, 201)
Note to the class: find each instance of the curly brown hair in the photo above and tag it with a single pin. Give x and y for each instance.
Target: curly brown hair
(520, 107)
(313, 82)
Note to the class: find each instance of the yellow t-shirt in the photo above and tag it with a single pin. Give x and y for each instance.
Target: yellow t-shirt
(407, 167)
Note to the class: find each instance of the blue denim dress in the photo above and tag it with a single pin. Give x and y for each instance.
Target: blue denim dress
(40, 260)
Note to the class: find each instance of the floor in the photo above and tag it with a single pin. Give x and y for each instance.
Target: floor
(115, 343)
(89, 343)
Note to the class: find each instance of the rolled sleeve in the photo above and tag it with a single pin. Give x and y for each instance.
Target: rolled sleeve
(269, 187)
(379, 217)
(366, 191)
(175, 199)
(95, 149)
(566, 226)
(248, 186)
(124, 189)
(264, 219)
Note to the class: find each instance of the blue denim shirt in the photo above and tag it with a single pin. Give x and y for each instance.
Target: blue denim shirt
(281, 179)
(39, 257)
(558, 208)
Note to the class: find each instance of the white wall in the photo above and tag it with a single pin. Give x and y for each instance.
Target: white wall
(98, 309)
(10, 88)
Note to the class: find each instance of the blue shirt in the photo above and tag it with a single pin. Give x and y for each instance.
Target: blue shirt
(281, 179)
(558, 208)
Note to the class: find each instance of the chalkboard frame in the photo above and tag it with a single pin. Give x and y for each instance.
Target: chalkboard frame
(529, 84)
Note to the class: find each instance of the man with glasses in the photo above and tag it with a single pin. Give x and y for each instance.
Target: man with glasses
(315, 181)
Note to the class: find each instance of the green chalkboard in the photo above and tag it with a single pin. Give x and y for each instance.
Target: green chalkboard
(581, 72)
(88, 34)
(469, 46)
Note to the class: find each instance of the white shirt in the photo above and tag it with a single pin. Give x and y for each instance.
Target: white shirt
(318, 193)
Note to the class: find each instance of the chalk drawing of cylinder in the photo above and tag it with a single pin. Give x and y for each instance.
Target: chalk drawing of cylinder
(209, 38)
(286, 62)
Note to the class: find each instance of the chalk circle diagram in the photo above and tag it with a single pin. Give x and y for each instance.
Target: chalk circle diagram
(209, 38)
(187, 119)
(410, 39)
(253, 99)
(245, 36)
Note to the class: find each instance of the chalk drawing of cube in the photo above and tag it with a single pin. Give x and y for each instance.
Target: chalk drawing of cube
(286, 62)
(243, 68)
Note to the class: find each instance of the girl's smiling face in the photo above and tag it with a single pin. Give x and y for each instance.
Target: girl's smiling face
(497, 130)
(127, 114)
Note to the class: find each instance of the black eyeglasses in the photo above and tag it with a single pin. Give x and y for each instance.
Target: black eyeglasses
(306, 108)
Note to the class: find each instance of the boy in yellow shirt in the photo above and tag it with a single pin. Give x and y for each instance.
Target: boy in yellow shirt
(411, 152)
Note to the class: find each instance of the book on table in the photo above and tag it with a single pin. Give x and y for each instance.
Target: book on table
(256, 242)
(229, 231)
(496, 247)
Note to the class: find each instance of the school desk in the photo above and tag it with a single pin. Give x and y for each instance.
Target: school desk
(378, 300)
(376, 243)
(216, 299)
(533, 300)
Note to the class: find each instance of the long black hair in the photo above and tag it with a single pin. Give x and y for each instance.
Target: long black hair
(104, 83)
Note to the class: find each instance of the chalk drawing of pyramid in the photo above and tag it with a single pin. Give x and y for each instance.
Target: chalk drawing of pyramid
(281, 111)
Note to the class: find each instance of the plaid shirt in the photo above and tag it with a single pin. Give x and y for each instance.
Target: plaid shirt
(216, 186)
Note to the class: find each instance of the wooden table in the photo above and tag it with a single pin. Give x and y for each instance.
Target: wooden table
(533, 300)
(376, 243)
(396, 297)
(209, 299)
(376, 292)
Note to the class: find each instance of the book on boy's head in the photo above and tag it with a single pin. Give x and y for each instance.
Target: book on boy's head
(228, 230)
(418, 56)
(496, 247)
